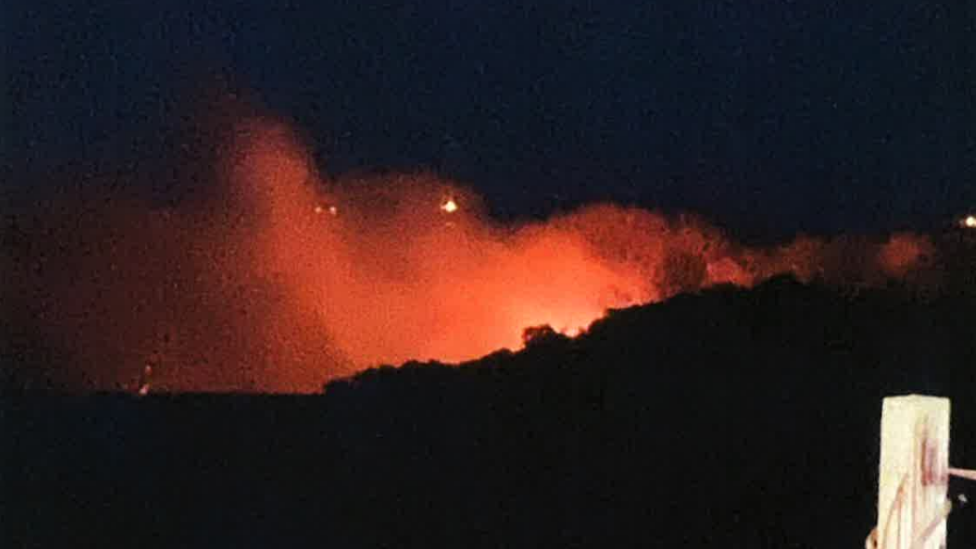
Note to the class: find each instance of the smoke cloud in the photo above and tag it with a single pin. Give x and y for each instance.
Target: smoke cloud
(282, 278)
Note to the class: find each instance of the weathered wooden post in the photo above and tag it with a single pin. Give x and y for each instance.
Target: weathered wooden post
(914, 473)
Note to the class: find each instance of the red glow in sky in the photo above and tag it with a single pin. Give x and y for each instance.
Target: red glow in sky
(288, 279)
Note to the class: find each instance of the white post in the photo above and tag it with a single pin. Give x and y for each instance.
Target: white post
(914, 473)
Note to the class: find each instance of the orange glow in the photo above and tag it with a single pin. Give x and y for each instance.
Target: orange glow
(252, 292)
(903, 252)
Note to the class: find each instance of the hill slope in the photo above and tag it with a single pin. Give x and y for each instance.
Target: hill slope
(727, 419)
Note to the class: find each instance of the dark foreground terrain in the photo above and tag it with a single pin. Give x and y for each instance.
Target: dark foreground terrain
(727, 419)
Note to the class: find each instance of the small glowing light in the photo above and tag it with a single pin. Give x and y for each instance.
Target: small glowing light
(449, 206)
(333, 211)
(144, 382)
(969, 222)
(318, 209)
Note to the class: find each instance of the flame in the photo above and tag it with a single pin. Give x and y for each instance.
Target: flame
(449, 206)
(253, 292)
(969, 222)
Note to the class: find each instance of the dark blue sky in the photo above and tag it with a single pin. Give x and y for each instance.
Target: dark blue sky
(770, 116)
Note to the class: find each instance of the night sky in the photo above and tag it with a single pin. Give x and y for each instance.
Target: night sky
(768, 117)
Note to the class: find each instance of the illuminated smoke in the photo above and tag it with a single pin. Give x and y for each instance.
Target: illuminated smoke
(904, 252)
(284, 279)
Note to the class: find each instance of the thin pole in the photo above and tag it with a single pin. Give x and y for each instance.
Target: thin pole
(963, 473)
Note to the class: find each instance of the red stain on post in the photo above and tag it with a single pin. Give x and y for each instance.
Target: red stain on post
(933, 470)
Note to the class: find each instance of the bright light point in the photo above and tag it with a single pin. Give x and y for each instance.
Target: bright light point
(969, 222)
(318, 209)
(333, 211)
(450, 206)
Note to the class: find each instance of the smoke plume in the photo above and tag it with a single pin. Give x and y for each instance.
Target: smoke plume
(282, 278)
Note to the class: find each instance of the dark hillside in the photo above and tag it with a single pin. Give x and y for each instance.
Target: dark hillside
(727, 419)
